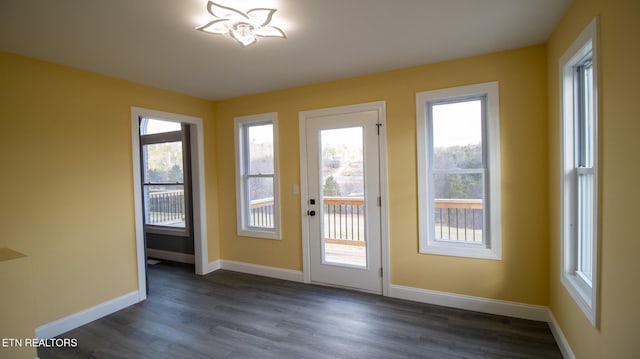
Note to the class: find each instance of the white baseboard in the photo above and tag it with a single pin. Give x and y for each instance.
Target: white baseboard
(561, 340)
(478, 304)
(78, 319)
(486, 305)
(211, 267)
(265, 271)
(171, 256)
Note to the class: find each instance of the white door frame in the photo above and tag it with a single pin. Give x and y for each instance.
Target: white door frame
(303, 116)
(198, 189)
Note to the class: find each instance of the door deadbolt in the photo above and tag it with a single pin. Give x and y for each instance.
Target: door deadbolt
(311, 213)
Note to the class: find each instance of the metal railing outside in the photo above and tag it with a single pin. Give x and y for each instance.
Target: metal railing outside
(166, 207)
(344, 218)
(458, 220)
(262, 215)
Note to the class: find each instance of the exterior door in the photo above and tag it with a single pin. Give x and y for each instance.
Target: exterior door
(343, 209)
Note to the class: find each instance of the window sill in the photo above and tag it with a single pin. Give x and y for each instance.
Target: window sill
(254, 233)
(169, 231)
(460, 251)
(581, 294)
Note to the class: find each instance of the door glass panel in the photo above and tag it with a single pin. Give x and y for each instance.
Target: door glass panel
(343, 203)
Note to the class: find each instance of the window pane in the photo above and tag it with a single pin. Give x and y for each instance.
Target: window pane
(149, 126)
(261, 203)
(260, 143)
(585, 116)
(585, 160)
(457, 144)
(457, 135)
(585, 229)
(164, 206)
(458, 186)
(163, 162)
(458, 207)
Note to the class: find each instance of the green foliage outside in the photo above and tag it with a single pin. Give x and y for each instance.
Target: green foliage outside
(458, 186)
(164, 162)
(331, 187)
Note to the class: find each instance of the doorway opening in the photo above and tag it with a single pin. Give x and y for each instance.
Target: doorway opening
(169, 192)
(166, 186)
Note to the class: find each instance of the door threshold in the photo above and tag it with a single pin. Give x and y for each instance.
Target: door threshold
(171, 256)
(353, 289)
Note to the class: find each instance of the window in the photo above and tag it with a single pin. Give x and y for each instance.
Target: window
(578, 73)
(164, 151)
(257, 176)
(459, 171)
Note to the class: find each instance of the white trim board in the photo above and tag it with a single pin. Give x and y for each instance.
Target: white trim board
(561, 340)
(83, 317)
(211, 267)
(265, 271)
(467, 302)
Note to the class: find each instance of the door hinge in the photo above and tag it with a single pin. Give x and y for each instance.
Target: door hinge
(378, 127)
(379, 201)
(381, 273)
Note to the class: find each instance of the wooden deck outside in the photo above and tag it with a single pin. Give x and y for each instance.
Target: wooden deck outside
(345, 252)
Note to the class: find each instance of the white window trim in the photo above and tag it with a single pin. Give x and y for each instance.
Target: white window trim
(584, 295)
(242, 229)
(493, 247)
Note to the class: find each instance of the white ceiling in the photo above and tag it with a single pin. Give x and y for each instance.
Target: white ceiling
(154, 42)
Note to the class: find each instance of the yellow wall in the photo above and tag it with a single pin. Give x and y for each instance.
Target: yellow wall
(521, 276)
(67, 193)
(67, 184)
(619, 128)
(16, 311)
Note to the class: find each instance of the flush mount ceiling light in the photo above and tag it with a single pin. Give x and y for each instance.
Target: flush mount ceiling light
(242, 27)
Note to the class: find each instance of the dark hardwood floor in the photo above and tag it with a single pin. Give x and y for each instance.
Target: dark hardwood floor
(233, 315)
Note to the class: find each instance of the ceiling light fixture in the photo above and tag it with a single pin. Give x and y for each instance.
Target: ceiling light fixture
(242, 27)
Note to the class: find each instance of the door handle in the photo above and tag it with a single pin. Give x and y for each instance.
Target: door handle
(311, 213)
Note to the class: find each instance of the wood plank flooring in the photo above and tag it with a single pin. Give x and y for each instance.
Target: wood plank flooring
(233, 315)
